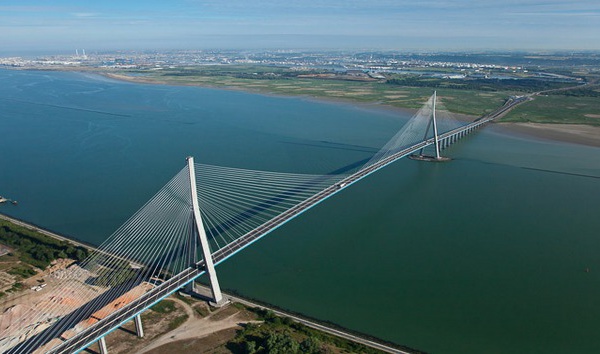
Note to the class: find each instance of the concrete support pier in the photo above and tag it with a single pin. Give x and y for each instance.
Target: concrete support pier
(189, 288)
(102, 345)
(139, 330)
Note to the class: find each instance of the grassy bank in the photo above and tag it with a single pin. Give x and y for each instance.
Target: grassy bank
(558, 109)
(31, 251)
(283, 335)
(468, 95)
(463, 101)
(36, 249)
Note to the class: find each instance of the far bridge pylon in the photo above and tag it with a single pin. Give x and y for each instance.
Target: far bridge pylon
(157, 251)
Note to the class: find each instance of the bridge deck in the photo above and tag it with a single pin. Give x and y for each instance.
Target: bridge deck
(117, 318)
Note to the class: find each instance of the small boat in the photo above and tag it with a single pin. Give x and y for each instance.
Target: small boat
(14, 202)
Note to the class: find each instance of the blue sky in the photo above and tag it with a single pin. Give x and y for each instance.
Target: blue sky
(320, 24)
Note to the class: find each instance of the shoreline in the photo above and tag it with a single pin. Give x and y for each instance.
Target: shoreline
(345, 101)
(46, 232)
(330, 328)
(581, 134)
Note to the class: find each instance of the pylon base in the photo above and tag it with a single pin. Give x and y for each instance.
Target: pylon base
(429, 158)
(221, 303)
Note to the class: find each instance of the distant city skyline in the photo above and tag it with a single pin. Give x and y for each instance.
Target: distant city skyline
(64, 25)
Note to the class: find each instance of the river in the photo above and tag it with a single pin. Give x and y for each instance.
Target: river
(495, 251)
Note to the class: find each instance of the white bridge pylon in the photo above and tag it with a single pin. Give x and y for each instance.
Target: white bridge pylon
(433, 122)
(155, 253)
(217, 296)
(419, 130)
(435, 130)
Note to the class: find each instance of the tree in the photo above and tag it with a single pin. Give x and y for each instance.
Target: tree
(250, 347)
(80, 254)
(310, 346)
(281, 343)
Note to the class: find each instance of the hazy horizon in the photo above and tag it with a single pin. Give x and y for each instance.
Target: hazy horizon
(430, 25)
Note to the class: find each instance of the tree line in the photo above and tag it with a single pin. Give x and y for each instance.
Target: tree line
(36, 249)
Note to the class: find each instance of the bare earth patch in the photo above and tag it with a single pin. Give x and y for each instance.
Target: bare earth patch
(23, 313)
(210, 344)
(197, 328)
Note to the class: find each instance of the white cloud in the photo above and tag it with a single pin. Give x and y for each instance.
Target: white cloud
(85, 14)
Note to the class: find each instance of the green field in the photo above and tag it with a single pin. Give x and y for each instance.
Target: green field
(468, 102)
(575, 107)
(558, 109)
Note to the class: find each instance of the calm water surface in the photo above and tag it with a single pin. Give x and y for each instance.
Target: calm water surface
(485, 254)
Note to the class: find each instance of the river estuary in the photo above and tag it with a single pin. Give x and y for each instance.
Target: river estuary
(496, 251)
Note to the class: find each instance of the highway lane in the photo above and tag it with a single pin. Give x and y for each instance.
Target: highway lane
(95, 332)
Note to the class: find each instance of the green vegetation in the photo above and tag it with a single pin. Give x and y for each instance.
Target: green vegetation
(464, 101)
(164, 306)
(558, 109)
(187, 299)
(201, 311)
(36, 249)
(283, 335)
(587, 91)
(469, 96)
(473, 103)
(524, 85)
(254, 72)
(22, 271)
(16, 287)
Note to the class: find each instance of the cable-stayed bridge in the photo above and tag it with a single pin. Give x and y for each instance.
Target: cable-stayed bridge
(203, 216)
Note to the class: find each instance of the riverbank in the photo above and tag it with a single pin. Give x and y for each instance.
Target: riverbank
(14, 306)
(45, 232)
(570, 133)
(258, 91)
(402, 100)
(182, 324)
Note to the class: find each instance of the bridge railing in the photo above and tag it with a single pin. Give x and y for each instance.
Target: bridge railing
(126, 313)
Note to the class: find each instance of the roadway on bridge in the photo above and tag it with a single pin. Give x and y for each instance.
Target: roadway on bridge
(117, 318)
